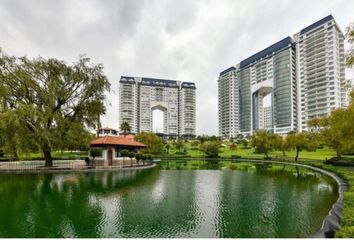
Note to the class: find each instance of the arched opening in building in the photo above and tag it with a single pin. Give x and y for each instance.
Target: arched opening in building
(158, 120)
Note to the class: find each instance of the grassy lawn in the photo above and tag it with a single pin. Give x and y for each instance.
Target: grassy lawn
(320, 154)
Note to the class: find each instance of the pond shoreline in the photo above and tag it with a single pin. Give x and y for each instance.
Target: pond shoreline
(331, 223)
(84, 169)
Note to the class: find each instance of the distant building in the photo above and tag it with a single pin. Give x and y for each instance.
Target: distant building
(267, 118)
(321, 76)
(228, 103)
(111, 147)
(107, 132)
(139, 97)
(304, 77)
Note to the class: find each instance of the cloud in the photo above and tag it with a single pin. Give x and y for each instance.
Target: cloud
(183, 40)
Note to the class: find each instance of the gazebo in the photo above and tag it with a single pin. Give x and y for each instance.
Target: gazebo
(111, 147)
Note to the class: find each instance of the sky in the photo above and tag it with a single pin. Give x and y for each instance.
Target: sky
(186, 40)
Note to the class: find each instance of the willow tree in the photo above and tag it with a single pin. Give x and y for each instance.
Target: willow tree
(47, 99)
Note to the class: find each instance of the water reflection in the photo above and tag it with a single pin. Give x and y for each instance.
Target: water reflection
(264, 201)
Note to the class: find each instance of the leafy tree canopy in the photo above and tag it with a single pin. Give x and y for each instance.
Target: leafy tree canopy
(210, 148)
(263, 142)
(47, 101)
(152, 141)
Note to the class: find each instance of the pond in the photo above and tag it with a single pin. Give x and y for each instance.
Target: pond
(252, 201)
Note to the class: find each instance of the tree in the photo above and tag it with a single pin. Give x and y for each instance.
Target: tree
(77, 138)
(336, 130)
(244, 143)
(131, 155)
(95, 152)
(149, 157)
(124, 153)
(301, 141)
(263, 142)
(154, 144)
(125, 128)
(202, 138)
(47, 98)
(195, 143)
(167, 148)
(138, 157)
(179, 145)
(143, 157)
(280, 144)
(210, 149)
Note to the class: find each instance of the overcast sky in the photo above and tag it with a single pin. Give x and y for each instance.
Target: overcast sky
(182, 40)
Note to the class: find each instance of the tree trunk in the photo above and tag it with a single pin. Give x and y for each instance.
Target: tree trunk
(47, 152)
(339, 155)
(297, 154)
(283, 153)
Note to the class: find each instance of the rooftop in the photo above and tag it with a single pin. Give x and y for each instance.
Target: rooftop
(158, 82)
(227, 70)
(116, 141)
(317, 24)
(267, 51)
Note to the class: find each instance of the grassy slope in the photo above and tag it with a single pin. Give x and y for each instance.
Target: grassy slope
(320, 154)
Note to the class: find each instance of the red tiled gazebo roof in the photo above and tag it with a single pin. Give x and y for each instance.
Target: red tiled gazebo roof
(116, 141)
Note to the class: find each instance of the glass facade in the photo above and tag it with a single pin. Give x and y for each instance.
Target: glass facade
(245, 100)
(282, 89)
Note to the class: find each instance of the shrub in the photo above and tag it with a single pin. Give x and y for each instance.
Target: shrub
(131, 154)
(210, 149)
(96, 152)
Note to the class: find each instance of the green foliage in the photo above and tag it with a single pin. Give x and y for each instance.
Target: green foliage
(204, 138)
(244, 143)
(195, 143)
(336, 130)
(138, 157)
(96, 152)
(301, 141)
(152, 141)
(263, 142)
(125, 128)
(124, 153)
(179, 145)
(280, 144)
(131, 155)
(210, 149)
(166, 148)
(48, 100)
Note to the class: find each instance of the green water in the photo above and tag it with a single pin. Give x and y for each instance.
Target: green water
(165, 203)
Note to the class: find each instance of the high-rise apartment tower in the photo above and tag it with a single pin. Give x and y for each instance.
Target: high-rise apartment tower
(139, 97)
(297, 78)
